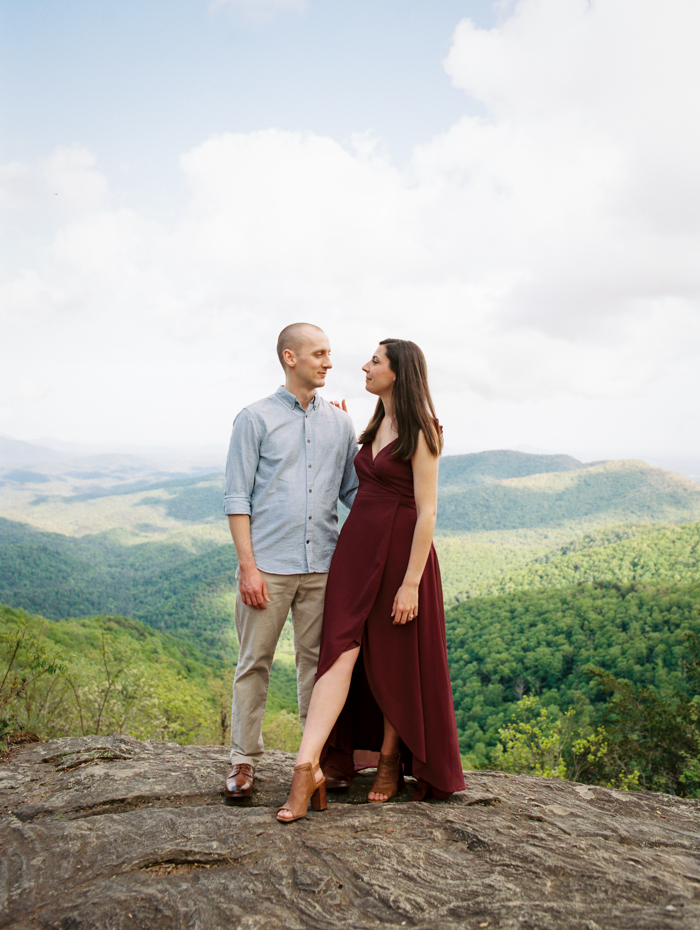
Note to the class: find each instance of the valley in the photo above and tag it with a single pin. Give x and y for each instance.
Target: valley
(550, 567)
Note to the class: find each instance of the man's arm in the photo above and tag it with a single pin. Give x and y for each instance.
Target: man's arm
(251, 582)
(348, 486)
(241, 467)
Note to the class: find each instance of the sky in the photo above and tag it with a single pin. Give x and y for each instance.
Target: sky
(513, 185)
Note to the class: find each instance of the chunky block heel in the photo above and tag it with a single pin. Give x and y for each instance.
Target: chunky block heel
(304, 788)
(318, 798)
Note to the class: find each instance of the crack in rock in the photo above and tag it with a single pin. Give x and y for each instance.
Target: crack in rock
(110, 833)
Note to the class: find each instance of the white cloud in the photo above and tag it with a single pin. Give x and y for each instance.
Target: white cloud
(544, 254)
(65, 183)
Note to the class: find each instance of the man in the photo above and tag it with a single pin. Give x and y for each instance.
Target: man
(290, 459)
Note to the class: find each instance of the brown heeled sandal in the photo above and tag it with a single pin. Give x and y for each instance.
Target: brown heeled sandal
(304, 789)
(389, 779)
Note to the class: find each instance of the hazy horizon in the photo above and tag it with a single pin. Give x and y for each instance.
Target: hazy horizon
(213, 455)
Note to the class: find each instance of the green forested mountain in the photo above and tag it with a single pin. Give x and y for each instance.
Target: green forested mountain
(646, 553)
(597, 495)
(160, 550)
(552, 565)
(468, 471)
(540, 642)
(181, 584)
(470, 563)
(148, 508)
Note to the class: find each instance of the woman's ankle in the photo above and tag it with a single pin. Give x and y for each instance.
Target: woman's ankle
(307, 760)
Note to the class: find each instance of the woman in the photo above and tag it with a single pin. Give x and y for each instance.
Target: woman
(384, 602)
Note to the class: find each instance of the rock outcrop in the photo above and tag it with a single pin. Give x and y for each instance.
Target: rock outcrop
(113, 833)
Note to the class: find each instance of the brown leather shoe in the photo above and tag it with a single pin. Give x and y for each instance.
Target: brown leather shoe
(239, 783)
(337, 783)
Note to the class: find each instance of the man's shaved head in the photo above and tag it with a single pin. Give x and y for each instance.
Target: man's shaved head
(293, 338)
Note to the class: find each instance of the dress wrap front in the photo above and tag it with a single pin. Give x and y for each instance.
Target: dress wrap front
(402, 670)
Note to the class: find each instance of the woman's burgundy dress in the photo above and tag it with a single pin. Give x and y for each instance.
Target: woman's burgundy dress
(402, 670)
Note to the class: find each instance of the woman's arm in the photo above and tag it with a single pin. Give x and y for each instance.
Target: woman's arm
(425, 483)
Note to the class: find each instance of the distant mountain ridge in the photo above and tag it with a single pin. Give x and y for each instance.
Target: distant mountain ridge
(15, 453)
(26, 462)
(548, 563)
(158, 549)
(466, 471)
(596, 494)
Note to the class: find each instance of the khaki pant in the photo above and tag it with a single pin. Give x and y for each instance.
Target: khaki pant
(258, 633)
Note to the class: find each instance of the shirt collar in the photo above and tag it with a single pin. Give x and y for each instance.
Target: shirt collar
(291, 401)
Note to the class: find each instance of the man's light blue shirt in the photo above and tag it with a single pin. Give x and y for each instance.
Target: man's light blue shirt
(286, 468)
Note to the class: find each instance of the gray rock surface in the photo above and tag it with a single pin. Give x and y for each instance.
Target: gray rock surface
(113, 833)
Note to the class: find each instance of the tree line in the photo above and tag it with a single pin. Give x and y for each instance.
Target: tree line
(606, 654)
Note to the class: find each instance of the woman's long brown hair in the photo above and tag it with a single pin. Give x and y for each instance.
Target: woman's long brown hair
(413, 406)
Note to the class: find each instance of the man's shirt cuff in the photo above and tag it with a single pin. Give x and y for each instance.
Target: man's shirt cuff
(237, 504)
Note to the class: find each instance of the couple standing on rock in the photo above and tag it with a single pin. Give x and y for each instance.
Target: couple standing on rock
(376, 596)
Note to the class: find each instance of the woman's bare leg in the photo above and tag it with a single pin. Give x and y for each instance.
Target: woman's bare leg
(327, 700)
(390, 746)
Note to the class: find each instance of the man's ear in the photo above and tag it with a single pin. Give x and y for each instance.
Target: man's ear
(289, 358)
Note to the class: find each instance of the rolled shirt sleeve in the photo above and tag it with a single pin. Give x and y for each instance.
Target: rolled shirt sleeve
(242, 463)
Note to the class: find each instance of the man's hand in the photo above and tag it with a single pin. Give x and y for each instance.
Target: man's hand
(253, 588)
(251, 582)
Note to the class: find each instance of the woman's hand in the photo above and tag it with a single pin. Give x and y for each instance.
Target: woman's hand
(340, 405)
(405, 606)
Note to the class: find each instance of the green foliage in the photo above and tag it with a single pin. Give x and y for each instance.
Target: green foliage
(119, 675)
(543, 741)
(170, 584)
(115, 675)
(539, 642)
(194, 598)
(25, 658)
(469, 564)
(122, 696)
(504, 562)
(195, 504)
(282, 731)
(655, 733)
(642, 554)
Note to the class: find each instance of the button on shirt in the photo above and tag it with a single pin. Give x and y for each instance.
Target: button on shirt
(286, 468)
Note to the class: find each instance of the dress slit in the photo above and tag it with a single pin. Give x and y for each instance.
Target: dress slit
(402, 670)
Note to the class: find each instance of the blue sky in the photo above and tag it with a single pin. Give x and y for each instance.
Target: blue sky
(138, 83)
(514, 185)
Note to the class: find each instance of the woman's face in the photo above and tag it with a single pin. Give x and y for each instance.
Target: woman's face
(379, 378)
